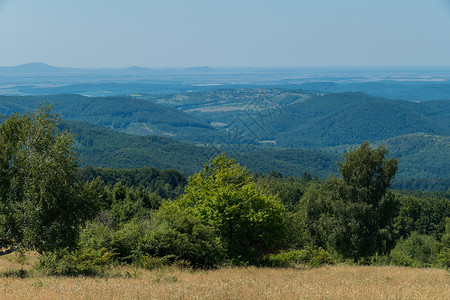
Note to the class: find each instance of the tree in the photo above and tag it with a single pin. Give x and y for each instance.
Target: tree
(40, 204)
(353, 214)
(224, 195)
(367, 173)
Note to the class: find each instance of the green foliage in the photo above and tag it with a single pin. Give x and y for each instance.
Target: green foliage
(167, 184)
(153, 262)
(311, 256)
(367, 174)
(418, 133)
(120, 113)
(169, 236)
(179, 233)
(40, 195)
(444, 255)
(422, 213)
(417, 250)
(352, 215)
(225, 196)
(350, 118)
(421, 156)
(86, 262)
(423, 184)
(125, 204)
(288, 189)
(102, 147)
(292, 162)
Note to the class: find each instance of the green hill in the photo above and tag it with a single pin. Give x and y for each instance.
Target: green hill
(102, 147)
(348, 118)
(290, 162)
(421, 155)
(125, 114)
(424, 160)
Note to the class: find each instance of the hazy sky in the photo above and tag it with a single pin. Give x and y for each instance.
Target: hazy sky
(184, 33)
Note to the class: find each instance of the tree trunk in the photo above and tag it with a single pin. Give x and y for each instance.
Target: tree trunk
(10, 250)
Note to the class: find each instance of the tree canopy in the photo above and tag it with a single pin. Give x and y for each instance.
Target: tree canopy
(353, 214)
(40, 203)
(224, 194)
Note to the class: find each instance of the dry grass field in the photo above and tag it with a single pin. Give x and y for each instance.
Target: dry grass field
(334, 282)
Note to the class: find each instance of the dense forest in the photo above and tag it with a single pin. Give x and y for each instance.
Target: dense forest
(120, 113)
(82, 221)
(290, 131)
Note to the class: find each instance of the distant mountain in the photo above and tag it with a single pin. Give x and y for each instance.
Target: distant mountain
(107, 89)
(406, 90)
(204, 69)
(138, 69)
(35, 67)
(348, 118)
(39, 67)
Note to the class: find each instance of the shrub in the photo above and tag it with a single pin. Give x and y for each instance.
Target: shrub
(415, 251)
(88, 262)
(152, 262)
(311, 256)
(175, 232)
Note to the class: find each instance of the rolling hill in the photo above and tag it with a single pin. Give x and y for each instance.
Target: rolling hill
(125, 114)
(348, 118)
(420, 156)
(127, 132)
(102, 147)
(99, 146)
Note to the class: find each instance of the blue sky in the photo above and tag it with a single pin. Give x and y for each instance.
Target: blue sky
(175, 33)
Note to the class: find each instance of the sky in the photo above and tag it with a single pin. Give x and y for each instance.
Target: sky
(227, 33)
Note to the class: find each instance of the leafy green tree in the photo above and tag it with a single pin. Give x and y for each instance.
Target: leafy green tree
(288, 189)
(444, 255)
(424, 214)
(40, 204)
(353, 214)
(224, 195)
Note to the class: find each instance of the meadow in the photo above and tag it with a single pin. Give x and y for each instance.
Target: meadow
(330, 282)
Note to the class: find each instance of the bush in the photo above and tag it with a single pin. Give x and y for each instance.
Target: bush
(312, 256)
(151, 262)
(169, 236)
(87, 262)
(175, 232)
(416, 251)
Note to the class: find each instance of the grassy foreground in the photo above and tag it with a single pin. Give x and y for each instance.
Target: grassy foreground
(333, 282)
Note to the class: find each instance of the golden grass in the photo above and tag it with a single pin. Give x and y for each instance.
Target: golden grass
(334, 282)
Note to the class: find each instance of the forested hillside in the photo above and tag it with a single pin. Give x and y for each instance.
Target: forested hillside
(120, 113)
(416, 133)
(102, 147)
(347, 118)
(420, 155)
